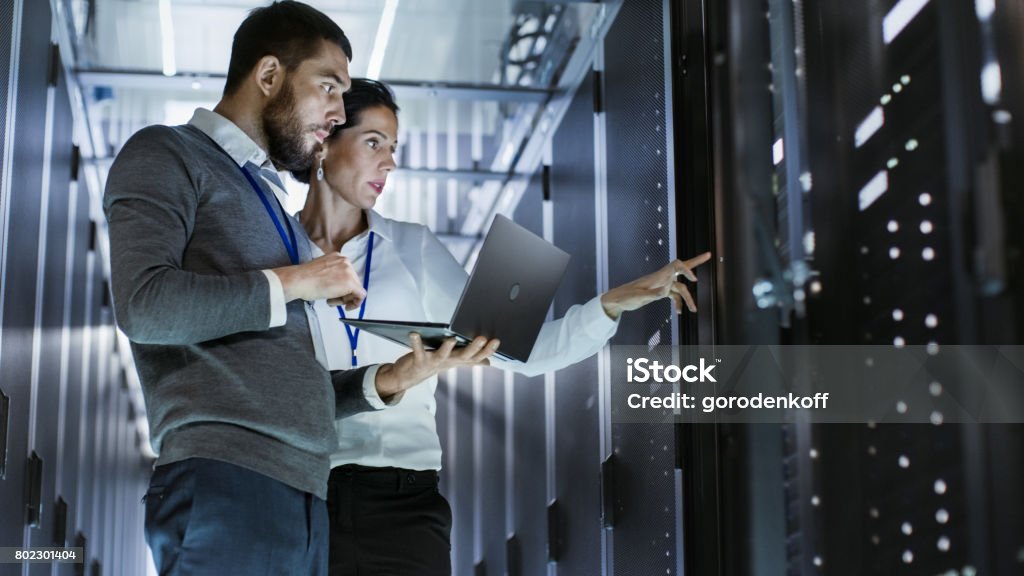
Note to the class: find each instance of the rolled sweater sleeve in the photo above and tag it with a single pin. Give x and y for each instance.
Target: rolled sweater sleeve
(350, 391)
(151, 200)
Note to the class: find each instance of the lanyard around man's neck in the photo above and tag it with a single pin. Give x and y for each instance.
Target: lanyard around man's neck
(288, 239)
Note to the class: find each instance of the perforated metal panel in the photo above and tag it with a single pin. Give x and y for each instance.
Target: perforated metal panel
(639, 208)
(637, 164)
(918, 489)
(577, 439)
(529, 461)
(885, 228)
(572, 198)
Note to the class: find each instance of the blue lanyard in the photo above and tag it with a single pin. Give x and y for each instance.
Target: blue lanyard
(291, 246)
(353, 333)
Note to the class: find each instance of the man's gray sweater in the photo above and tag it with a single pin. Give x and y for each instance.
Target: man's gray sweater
(188, 240)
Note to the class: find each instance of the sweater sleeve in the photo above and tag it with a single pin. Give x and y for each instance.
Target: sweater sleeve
(350, 391)
(150, 202)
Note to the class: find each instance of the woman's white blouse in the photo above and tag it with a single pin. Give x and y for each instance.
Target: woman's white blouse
(414, 277)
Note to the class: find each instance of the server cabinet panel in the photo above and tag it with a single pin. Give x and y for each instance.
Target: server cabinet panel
(1010, 46)
(77, 379)
(577, 469)
(529, 213)
(48, 404)
(101, 453)
(442, 418)
(529, 476)
(12, 486)
(102, 347)
(572, 188)
(577, 417)
(114, 523)
(21, 254)
(124, 535)
(490, 464)
(92, 353)
(640, 202)
(926, 270)
(108, 455)
(528, 473)
(6, 47)
(901, 105)
(460, 478)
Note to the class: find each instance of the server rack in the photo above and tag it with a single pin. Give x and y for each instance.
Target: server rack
(22, 230)
(642, 198)
(864, 192)
(587, 497)
(65, 420)
(573, 409)
(526, 452)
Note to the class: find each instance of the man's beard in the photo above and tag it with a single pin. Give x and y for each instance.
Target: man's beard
(288, 148)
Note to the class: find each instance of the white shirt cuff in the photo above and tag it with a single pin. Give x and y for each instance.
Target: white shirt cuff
(596, 322)
(278, 308)
(370, 390)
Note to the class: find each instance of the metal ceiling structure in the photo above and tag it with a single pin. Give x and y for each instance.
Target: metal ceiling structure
(473, 78)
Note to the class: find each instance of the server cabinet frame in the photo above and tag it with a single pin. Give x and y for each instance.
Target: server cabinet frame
(724, 45)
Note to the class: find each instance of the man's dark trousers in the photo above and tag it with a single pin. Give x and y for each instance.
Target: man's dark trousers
(196, 527)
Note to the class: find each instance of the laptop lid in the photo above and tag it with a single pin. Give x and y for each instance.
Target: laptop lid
(507, 296)
(512, 286)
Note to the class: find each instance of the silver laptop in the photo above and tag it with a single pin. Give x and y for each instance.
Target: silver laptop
(507, 296)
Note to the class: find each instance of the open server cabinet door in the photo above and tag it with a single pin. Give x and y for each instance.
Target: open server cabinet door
(859, 165)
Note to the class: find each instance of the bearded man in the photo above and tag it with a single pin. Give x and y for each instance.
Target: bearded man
(210, 280)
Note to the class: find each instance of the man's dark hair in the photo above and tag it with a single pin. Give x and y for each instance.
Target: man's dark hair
(291, 31)
(363, 94)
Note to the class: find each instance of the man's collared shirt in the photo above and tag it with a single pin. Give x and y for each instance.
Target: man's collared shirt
(242, 149)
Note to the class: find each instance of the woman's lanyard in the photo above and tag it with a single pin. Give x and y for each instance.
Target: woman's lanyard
(353, 333)
(289, 239)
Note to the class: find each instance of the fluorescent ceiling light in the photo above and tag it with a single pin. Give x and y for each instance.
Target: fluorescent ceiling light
(380, 44)
(167, 38)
